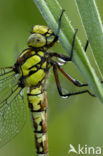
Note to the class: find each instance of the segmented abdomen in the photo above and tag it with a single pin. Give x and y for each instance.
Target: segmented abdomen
(38, 105)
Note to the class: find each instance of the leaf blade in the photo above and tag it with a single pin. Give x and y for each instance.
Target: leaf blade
(93, 27)
(51, 11)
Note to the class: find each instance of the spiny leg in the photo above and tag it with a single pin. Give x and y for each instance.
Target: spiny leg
(60, 56)
(57, 34)
(73, 44)
(75, 82)
(59, 23)
(64, 57)
(60, 89)
(86, 45)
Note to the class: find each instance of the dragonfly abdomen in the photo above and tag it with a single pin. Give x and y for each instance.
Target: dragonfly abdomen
(38, 105)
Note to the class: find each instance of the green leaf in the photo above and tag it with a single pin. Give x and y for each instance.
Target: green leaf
(51, 11)
(92, 23)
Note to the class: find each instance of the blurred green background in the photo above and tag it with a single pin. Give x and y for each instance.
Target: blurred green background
(76, 120)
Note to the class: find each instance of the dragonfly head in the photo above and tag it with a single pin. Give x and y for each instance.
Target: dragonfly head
(41, 37)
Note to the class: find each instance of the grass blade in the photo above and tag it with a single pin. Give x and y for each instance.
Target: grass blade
(92, 23)
(51, 11)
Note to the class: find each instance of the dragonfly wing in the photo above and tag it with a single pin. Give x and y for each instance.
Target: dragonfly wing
(8, 81)
(12, 108)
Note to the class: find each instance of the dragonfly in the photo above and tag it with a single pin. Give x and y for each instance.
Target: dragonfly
(30, 71)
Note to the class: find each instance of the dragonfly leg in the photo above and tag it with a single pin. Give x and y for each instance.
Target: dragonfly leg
(64, 57)
(73, 44)
(74, 81)
(86, 45)
(60, 89)
(59, 23)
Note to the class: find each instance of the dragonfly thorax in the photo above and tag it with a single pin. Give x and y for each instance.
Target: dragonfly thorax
(32, 66)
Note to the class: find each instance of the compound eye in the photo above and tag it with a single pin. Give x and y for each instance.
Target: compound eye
(36, 40)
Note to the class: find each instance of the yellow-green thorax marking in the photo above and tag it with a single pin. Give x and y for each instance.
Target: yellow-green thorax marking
(33, 65)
